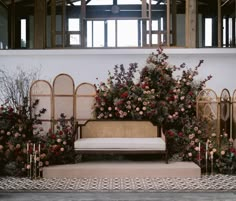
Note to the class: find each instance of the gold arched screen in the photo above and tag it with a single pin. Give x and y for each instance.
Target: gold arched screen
(42, 91)
(63, 96)
(85, 94)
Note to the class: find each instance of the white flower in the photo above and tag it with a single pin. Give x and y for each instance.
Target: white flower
(137, 109)
(64, 142)
(190, 154)
(62, 149)
(128, 107)
(182, 98)
(141, 112)
(222, 152)
(109, 108)
(58, 140)
(213, 134)
(144, 108)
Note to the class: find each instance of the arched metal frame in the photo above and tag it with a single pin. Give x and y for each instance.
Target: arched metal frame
(225, 112)
(208, 109)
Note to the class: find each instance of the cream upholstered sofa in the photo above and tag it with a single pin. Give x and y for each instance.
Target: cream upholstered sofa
(126, 137)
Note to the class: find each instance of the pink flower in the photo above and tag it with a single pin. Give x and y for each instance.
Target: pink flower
(222, 152)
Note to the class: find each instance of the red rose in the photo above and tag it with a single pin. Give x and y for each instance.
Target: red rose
(124, 95)
(53, 136)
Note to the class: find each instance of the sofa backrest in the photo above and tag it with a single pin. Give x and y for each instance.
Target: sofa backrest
(118, 128)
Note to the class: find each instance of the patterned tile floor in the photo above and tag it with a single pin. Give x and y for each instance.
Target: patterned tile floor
(212, 183)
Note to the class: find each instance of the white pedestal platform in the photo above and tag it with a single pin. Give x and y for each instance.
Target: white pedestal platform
(123, 169)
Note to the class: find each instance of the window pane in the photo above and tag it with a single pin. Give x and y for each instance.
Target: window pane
(89, 34)
(154, 39)
(101, 2)
(208, 32)
(127, 33)
(111, 35)
(98, 34)
(135, 2)
(154, 25)
(73, 24)
(74, 39)
(58, 23)
(58, 40)
(23, 33)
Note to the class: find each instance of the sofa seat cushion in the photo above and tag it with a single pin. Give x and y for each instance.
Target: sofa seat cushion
(120, 144)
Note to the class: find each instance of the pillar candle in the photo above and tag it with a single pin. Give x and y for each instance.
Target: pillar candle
(27, 147)
(39, 148)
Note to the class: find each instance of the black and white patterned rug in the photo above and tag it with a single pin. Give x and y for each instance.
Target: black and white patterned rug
(202, 184)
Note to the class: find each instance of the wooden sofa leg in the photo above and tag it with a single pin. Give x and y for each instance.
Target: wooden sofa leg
(166, 156)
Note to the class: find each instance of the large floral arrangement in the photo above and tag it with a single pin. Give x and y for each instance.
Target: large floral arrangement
(154, 93)
(17, 129)
(58, 145)
(21, 135)
(221, 153)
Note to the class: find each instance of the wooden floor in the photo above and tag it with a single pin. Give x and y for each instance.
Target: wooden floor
(123, 169)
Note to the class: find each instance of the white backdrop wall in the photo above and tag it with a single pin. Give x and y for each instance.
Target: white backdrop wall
(87, 65)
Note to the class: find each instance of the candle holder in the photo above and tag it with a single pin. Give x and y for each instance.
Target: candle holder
(199, 155)
(206, 162)
(33, 163)
(212, 165)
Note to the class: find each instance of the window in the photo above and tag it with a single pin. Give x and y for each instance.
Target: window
(74, 31)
